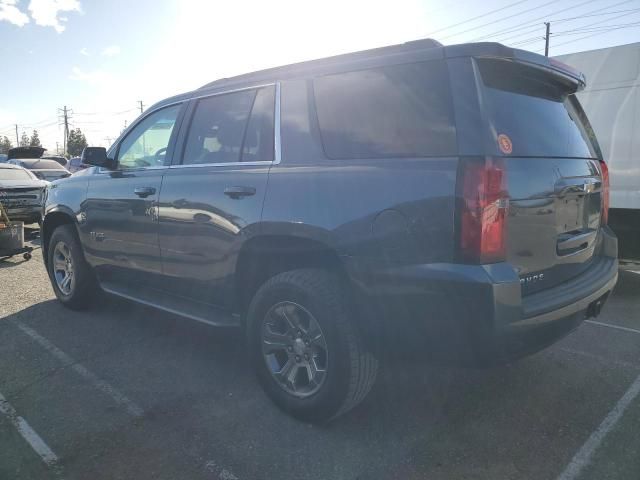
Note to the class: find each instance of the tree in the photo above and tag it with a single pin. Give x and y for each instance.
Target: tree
(5, 144)
(35, 140)
(76, 142)
(24, 140)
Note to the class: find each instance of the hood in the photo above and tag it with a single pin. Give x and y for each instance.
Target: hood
(9, 184)
(25, 152)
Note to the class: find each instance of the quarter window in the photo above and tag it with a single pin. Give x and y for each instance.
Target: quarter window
(146, 145)
(393, 111)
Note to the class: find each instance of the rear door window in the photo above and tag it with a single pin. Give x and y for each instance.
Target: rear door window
(232, 127)
(393, 111)
(258, 145)
(537, 112)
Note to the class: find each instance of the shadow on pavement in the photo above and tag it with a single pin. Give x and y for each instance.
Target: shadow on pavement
(201, 401)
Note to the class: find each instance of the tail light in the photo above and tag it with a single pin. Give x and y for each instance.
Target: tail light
(483, 210)
(604, 215)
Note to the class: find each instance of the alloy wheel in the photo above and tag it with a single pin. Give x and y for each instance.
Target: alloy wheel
(294, 349)
(63, 268)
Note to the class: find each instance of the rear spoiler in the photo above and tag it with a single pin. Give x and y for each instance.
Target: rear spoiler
(499, 51)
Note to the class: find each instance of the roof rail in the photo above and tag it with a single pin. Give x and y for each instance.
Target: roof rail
(423, 43)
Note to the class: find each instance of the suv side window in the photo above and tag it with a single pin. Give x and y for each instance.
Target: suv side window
(232, 127)
(259, 140)
(146, 145)
(392, 111)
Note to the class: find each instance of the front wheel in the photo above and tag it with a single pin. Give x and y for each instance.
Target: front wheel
(305, 348)
(72, 279)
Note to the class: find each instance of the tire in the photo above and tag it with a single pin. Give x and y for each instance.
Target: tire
(350, 369)
(83, 287)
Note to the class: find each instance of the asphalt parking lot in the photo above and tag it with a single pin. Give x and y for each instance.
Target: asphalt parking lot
(124, 392)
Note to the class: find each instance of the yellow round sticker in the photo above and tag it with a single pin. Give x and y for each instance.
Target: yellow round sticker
(504, 142)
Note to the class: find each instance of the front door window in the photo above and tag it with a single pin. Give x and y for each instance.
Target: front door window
(146, 145)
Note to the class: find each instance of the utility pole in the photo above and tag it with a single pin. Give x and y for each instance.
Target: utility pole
(17, 140)
(546, 39)
(65, 119)
(57, 147)
(141, 106)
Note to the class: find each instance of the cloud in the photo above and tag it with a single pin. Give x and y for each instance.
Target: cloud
(12, 14)
(111, 51)
(45, 12)
(94, 77)
(84, 51)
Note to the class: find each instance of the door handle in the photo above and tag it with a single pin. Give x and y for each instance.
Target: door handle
(239, 192)
(569, 243)
(144, 192)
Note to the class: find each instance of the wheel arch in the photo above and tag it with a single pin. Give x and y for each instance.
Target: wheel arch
(52, 220)
(267, 255)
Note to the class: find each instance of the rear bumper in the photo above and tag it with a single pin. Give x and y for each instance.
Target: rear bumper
(476, 312)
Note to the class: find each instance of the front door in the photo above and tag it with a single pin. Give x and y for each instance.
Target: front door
(211, 198)
(121, 221)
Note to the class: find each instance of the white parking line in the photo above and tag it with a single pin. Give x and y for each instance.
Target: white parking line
(617, 327)
(98, 383)
(30, 435)
(601, 359)
(583, 457)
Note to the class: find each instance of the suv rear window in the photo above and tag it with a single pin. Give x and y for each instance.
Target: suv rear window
(392, 111)
(42, 164)
(536, 111)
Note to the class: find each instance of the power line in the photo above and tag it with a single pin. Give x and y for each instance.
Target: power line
(523, 31)
(587, 36)
(529, 29)
(592, 13)
(602, 21)
(498, 20)
(597, 14)
(476, 18)
(527, 41)
(579, 31)
(603, 29)
(515, 28)
(108, 113)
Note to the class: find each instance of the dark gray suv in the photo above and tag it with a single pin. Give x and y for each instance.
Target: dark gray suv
(417, 198)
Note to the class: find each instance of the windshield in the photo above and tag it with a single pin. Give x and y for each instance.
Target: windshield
(14, 174)
(538, 113)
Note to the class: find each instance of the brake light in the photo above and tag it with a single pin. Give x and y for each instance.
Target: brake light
(483, 210)
(604, 215)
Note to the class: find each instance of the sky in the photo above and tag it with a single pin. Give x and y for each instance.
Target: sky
(100, 58)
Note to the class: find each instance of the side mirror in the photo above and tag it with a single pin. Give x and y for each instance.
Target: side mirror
(97, 156)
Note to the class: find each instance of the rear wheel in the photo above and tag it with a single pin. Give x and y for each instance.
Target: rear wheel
(305, 348)
(72, 279)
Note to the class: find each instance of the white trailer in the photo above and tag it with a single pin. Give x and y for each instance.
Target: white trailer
(611, 100)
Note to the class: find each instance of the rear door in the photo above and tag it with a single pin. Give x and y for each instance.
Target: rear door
(121, 206)
(212, 197)
(553, 173)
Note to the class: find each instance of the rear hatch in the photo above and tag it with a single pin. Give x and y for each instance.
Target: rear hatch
(551, 163)
(25, 152)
